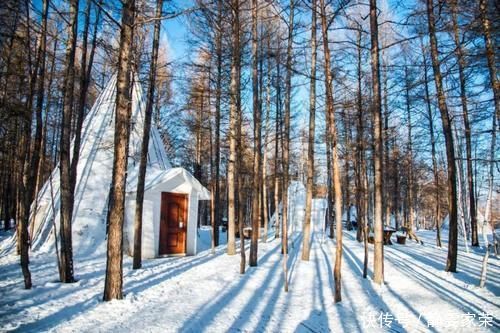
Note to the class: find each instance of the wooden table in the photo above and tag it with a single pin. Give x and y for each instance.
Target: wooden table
(387, 236)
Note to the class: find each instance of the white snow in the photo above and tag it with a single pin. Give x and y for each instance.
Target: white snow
(206, 293)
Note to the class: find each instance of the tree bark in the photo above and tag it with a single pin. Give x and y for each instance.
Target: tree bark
(490, 54)
(84, 83)
(218, 92)
(67, 195)
(387, 161)
(266, 143)
(310, 143)
(433, 151)
(491, 184)
(332, 133)
(35, 156)
(451, 263)
(286, 142)
(346, 185)
(257, 141)
(141, 178)
(233, 130)
(113, 284)
(465, 114)
(484, 267)
(365, 216)
(411, 213)
(277, 136)
(360, 156)
(32, 163)
(378, 260)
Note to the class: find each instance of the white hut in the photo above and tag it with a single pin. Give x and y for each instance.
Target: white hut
(170, 213)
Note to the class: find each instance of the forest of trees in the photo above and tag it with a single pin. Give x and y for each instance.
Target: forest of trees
(391, 107)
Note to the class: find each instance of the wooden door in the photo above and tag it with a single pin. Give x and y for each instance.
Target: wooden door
(173, 223)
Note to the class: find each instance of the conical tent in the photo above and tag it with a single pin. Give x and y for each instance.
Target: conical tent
(94, 174)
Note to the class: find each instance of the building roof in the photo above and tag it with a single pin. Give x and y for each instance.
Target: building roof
(172, 178)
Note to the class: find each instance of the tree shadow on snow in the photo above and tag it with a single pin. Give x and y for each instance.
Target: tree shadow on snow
(88, 280)
(465, 274)
(373, 295)
(207, 312)
(449, 296)
(277, 289)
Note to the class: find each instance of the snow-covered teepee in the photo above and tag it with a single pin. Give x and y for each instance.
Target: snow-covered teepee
(94, 174)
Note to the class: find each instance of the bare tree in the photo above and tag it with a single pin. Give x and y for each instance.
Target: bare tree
(465, 114)
(332, 133)
(141, 178)
(277, 135)
(378, 260)
(451, 263)
(67, 195)
(257, 141)
(218, 93)
(435, 171)
(266, 144)
(113, 284)
(233, 128)
(490, 53)
(310, 142)
(286, 141)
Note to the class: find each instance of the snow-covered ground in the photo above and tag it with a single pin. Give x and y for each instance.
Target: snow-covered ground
(206, 293)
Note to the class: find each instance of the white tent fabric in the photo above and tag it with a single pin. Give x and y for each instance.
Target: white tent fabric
(296, 208)
(94, 172)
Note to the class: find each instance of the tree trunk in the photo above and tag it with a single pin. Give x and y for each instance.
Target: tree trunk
(465, 115)
(451, 263)
(411, 207)
(257, 141)
(218, 92)
(67, 195)
(37, 146)
(491, 183)
(266, 142)
(239, 177)
(346, 188)
(141, 178)
(365, 216)
(239, 190)
(490, 54)
(484, 267)
(332, 133)
(310, 143)
(34, 165)
(378, 261)
(84, 83)
(360, 156)
(387, 161)
(286, 142)
(114, 277)
(433, 151)
(277, 136)
(233, 130)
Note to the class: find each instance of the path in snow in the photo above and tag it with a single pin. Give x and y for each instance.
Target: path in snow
(205, 293)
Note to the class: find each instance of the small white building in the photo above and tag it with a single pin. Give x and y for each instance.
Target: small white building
(170, 212)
